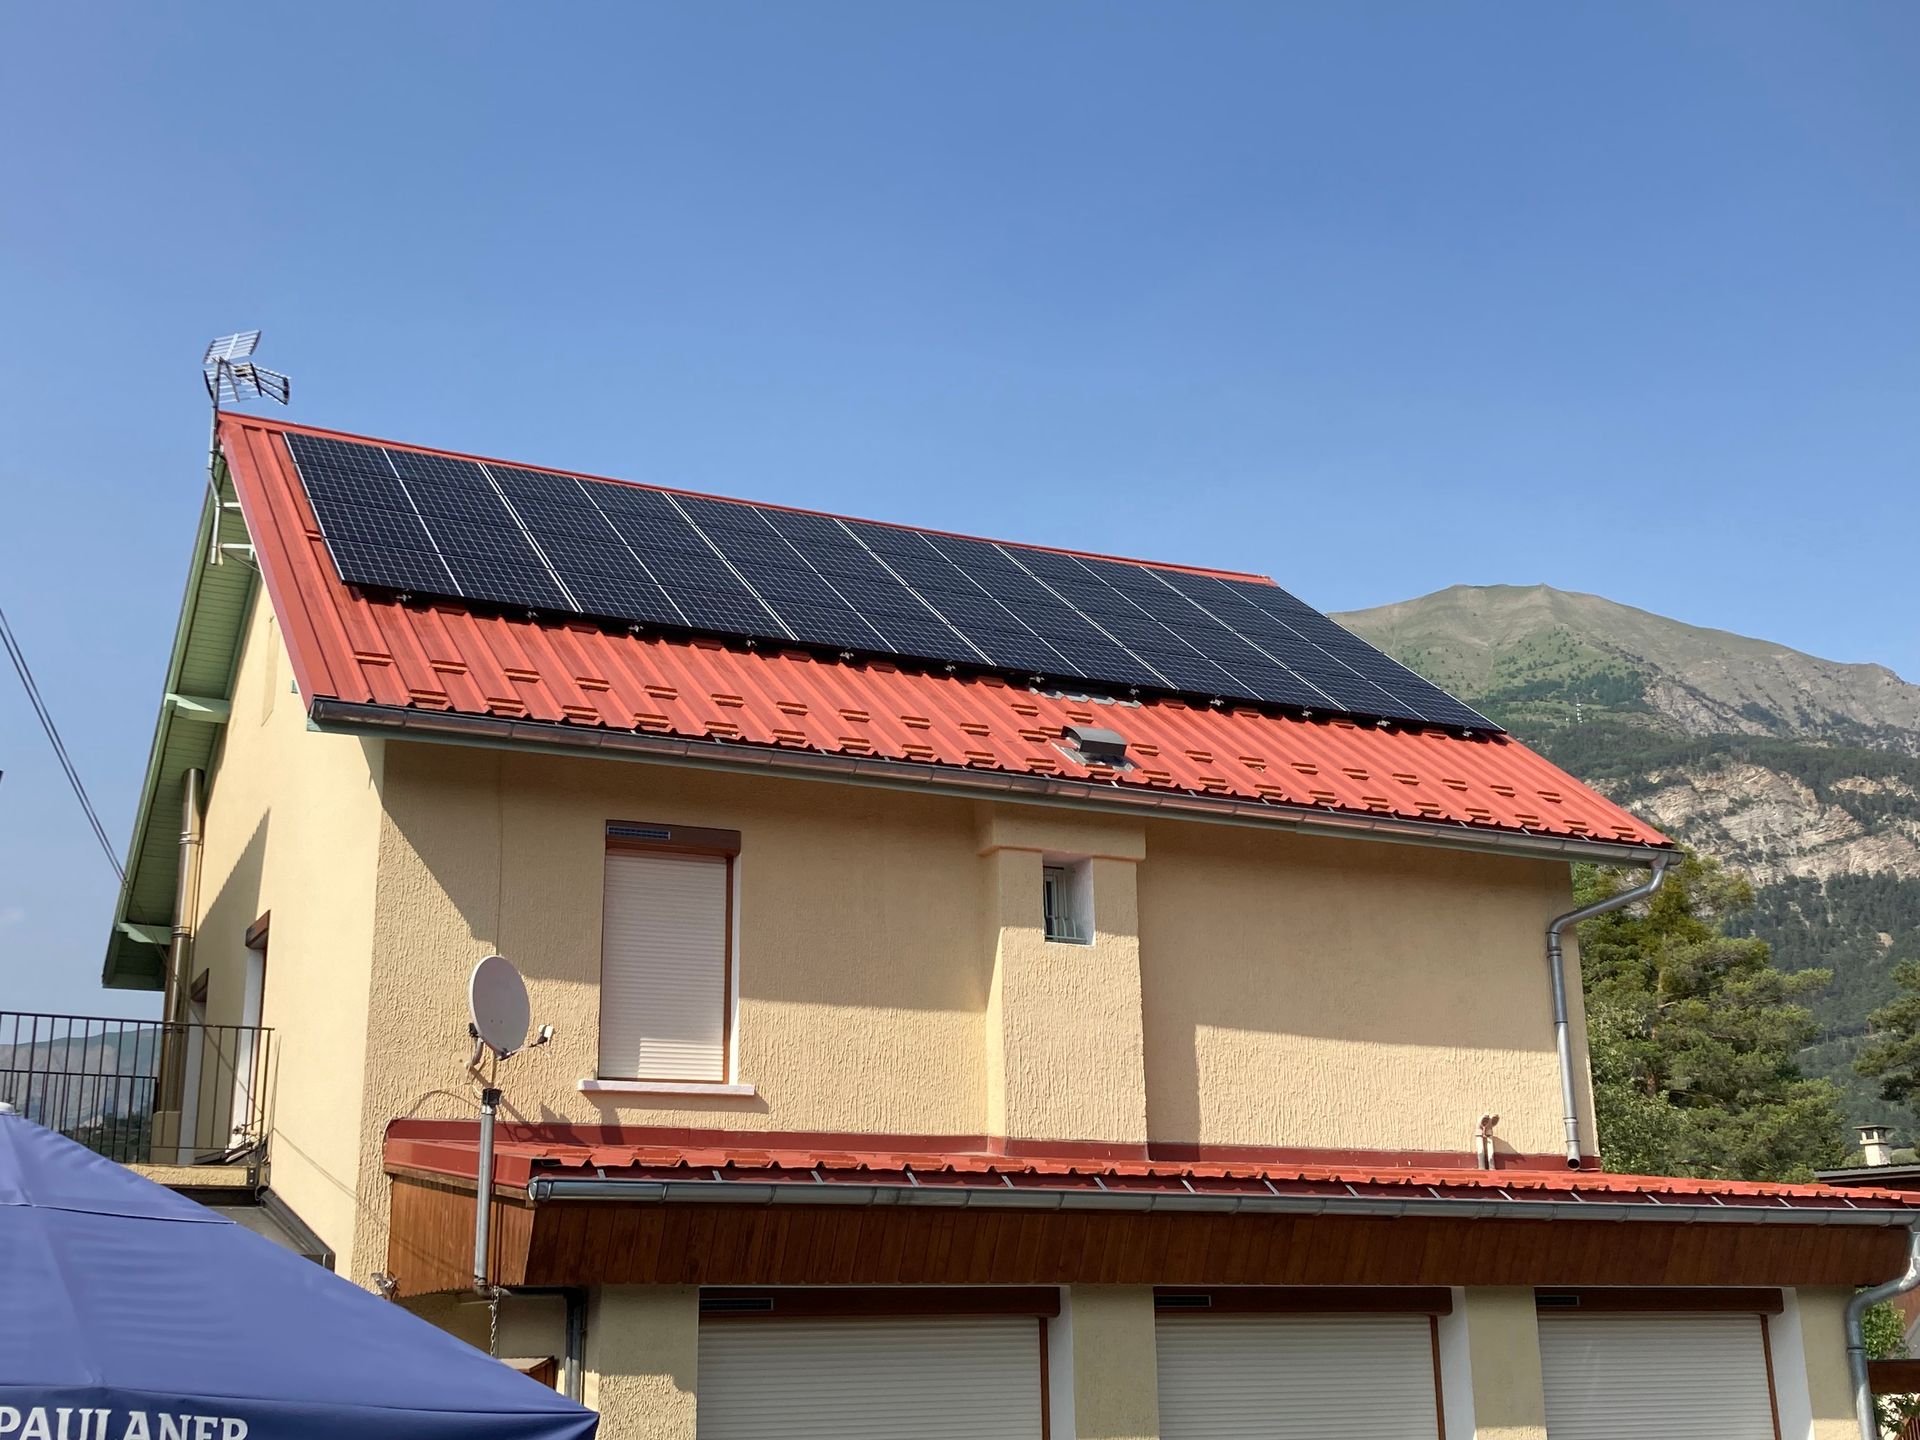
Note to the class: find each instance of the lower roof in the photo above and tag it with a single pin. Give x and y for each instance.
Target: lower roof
(812, 1168)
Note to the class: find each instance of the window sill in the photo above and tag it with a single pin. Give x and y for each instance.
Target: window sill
(666, 1087)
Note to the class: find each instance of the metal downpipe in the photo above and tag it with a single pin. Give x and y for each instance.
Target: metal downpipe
(1857, 1309)
(1557, 970)
(573, 1364)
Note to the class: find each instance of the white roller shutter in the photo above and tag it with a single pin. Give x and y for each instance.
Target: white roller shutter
(1296, 1377)
(965, 1378)
(1655, 1377)
(663, 967)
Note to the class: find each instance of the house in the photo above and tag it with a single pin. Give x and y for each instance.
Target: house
(1022, 994)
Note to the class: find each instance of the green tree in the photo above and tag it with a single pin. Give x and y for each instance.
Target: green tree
(1693, 1034)
(1892, 1055)
(1885, 1330)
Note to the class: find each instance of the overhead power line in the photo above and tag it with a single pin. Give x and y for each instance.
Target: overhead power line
(20, 668)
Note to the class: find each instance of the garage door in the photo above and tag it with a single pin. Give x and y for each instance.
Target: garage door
(1296, 1377)
(1656, 1377)
(976, 1377)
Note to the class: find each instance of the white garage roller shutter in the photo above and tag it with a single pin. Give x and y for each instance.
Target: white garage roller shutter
(1656, 1377)
(1296, 1377)
(965, 1378)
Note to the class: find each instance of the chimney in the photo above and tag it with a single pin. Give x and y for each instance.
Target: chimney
(1873, 1145)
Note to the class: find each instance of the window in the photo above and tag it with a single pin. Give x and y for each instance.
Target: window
(1066, 890)
(666, 973)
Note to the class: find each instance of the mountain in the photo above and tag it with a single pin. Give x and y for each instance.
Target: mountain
(1535, 651)
(1802, 773)
(80, 1081)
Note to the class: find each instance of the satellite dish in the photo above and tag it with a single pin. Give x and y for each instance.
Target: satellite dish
(497, 998)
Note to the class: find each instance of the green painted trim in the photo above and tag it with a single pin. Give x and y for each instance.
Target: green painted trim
(206, 645)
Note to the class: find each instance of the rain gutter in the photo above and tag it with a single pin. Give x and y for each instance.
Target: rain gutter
(351, 718)
(545, 1188)
(1557, 970)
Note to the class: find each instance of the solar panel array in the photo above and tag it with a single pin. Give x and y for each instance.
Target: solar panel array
(427, 524)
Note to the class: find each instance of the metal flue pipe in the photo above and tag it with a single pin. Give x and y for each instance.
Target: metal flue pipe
(1857, 1309)
(1557, 970)
(179, 978)
(186, 900)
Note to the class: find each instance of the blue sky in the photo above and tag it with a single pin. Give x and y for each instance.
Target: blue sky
(1374, 299)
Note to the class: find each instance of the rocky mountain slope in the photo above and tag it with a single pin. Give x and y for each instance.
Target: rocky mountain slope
(1802, 773)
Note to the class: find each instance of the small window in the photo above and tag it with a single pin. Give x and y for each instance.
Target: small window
(666, 974)
(1066, 891)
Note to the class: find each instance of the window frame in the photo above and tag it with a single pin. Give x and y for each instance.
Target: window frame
(1070, 878)
(633, 837)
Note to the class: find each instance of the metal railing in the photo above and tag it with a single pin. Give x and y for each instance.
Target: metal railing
(141, 1091)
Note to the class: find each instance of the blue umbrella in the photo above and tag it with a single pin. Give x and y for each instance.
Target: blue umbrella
(130, 1313)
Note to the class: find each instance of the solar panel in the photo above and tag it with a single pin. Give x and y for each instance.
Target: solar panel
(427, 524)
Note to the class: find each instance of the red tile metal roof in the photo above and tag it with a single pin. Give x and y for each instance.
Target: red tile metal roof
(442, 657)
(530, 1152)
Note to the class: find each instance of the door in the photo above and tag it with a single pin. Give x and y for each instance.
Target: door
(1297, 1377)
(977, 1377)
(1656, 1377)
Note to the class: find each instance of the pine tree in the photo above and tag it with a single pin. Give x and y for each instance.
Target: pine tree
(1693, 1034)
(1892, 1055)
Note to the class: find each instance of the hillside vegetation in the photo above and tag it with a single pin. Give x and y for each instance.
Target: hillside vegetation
(1800, 773)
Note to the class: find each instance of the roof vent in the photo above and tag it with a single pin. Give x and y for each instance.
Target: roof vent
(1096, 745)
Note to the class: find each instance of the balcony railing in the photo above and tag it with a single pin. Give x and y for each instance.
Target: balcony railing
(141, 1091)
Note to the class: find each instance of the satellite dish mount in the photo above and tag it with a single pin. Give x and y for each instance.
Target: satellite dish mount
(500, 1016)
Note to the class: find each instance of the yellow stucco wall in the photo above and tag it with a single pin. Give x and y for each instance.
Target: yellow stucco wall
(292, 820)
(1320, 993)
(642, 1361)
(893, 978)
(1243, 988)
(1111, 1363)
(1065, 1055)
(1503, 1346)
(1823, 1338)
(862, 982)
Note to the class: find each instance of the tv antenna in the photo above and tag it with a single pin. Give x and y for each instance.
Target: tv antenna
(497, 1002)
(232, 375)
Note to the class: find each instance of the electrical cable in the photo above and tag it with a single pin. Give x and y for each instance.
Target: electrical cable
(20, 667)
